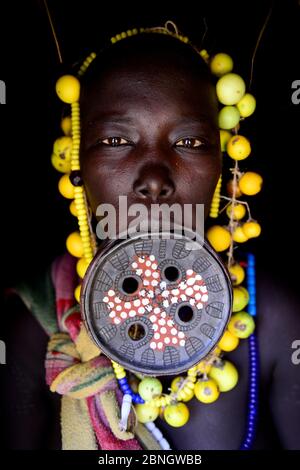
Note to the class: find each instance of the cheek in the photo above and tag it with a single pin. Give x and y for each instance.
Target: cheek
(197, 180)
(104, 182)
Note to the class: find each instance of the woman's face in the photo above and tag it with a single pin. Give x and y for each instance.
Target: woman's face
(149, 132)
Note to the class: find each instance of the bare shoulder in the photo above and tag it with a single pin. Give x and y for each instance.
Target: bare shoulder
(27, 406)
(278, 330)
(278, 317)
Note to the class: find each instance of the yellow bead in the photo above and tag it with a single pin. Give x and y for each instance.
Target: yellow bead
(220, 64)
(163, 401)
(240, 298)
(75, 167)
(190, 385)
(68, 89)
(250, 183)
(79, 191)
(120, 375)
(61, 158)
(72, 208)
(229, 117)
(80, 201)
(86, 240)
(238, 147)
(176, 415)
(192, 373)
(181, 395)
(63, 147)
(215, 203)
(228, 342)
(77, 293)
(203, 367)
(193, 377)
(246, 105)
(63, 166)
(206, 391)
(237, 274)
(239, 235)
(82, 217)
(146, 413)
(217, 351)
(65, 187)
(225, 136)
(168, 399)
(149, 388)
(219, 237)
(84, 230)
(74, 245)
(184, 394)
(237, 211)
(225, 375)
(189, 393)
(175, 384)
(230, 89)
(251, 229)
(81, 267)
(241, 325)
(66, 125)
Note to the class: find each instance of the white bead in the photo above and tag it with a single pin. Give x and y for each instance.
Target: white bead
(125, 410)
(164, 444)
(157, 434)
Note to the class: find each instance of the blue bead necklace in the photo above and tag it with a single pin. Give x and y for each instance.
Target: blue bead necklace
(252, 414)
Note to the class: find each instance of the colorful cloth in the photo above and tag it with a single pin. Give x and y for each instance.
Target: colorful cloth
(76, 369)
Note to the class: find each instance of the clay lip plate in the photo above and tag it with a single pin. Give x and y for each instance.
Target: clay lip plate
(170, 343)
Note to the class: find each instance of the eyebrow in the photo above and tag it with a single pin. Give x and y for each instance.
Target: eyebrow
(202, 119)
(111, 119)
(119, 119)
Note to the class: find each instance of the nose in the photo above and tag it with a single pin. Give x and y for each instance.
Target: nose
(154, 184)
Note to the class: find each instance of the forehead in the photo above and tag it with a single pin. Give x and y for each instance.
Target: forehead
(153, 87)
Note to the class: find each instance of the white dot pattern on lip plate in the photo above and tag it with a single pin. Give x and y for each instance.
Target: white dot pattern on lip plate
(153, 297)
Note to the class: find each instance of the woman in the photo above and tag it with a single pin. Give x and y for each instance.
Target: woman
(150, 132)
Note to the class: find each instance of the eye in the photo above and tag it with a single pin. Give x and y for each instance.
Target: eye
(189, 142)
(114, 141)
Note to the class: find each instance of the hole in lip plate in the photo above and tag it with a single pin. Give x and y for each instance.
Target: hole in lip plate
(171, 273)
(130, 285)
(136, 331)
(185, 313)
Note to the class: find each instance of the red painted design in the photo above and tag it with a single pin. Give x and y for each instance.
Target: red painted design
(154, 299)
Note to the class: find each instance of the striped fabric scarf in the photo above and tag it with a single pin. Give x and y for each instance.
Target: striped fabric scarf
(76, 369)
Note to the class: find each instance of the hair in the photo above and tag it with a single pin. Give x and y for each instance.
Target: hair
(143, 47)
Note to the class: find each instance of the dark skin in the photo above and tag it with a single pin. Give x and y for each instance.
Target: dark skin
(155, 139)
(149, 157)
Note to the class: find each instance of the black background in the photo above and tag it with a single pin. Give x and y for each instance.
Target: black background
(35, 219)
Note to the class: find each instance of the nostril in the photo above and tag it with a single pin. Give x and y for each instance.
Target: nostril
(143, 192)
(154, 187)
(164, 192)
(150, 192)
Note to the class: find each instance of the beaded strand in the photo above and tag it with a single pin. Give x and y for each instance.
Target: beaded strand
(253, 363)
(215, 203)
